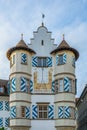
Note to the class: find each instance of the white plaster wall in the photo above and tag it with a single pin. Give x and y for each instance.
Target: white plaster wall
(42, 98)
(42, 125)
(42, 34)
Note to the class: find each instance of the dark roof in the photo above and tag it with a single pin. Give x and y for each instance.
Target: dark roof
(65, 46)
(21, 45)
(4, 84)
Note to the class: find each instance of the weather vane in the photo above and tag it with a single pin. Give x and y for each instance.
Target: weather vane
(43, 16)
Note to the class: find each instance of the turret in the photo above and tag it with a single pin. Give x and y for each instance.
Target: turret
(21, 85)
(65, 85)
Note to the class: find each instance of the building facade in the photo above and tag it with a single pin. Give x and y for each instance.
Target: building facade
(42, 83)
(82, 110)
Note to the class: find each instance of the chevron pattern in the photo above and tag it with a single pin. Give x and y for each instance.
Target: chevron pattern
(1, 122)
(27, 112)
(23, 84)
(51, 112)
(1, 105)
(34, 61)
(66, 84)
(6, 106)
(60, 112)
(64, 58)
(6, 122)
(23, 58)
(66, 112)
(49, 61)
(13, 83)
(34, 111)
(8, 87)
(13, 112)
(57, 59)
(53, 86)
(31, 86)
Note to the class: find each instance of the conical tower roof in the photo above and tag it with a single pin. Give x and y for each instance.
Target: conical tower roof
(65, 46)
(21, 45)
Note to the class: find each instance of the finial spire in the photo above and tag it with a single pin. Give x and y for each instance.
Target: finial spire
(63, 36)
(22, 36)
(43, 16)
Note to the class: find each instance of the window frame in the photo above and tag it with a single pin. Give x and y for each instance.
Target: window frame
(42, 62)
(43, 112)
(23, 111)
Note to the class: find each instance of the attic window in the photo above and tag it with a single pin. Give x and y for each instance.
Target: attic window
(42, 42)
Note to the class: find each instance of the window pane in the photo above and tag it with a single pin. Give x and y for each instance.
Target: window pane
(23, 111)
(61, 59)
(2, 89)
(61, 85)
(42, 111)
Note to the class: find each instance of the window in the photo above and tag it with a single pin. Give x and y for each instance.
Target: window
(42, 62)
(1, 89)
(12, 60)
(23, 58)
(64, 85)
(42, 42)
(61, 59)
(73, 61)
(23, 111)
(43, 111)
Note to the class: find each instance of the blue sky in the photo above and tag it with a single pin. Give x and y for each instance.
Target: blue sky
(67, 17)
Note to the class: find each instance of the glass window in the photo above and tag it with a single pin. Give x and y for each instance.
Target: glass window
(1, 89)
(61, 59)
(42, 62)
(13, 59)
(23, 111)
(61, 86)
(42, 111)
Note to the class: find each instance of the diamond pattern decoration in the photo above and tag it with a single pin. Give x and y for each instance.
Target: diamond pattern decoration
(1, 105)
(1, 122)
(60, 112)
(23, 84)
(31, 86)
(13, 83)
(51, 112)
(66, 84)
(6, 122)
(6, 106)
(64, 58)
(49, 61)
(13, 112)
(23, 58)
(27, 112)
(34, 111)
(53, 86)
(34, 61)
(66, 111)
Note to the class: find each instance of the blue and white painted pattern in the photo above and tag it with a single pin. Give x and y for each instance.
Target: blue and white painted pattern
(57, 59)
(6, 106)
(60, 112)
(27, 109)
(1, 105)
(66, 112)
(23, 84)
(1, 122)
(23, 58)
(8, 87)
(31, 86)
(64, 58)
(13, 112)
(35, 61)
(66, 84)
(6, 122)
(53, 86)
(49, 61)
(13, 84)
(51, 112)
(34, 111)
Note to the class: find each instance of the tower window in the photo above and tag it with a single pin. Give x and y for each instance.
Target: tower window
(23, 111)
(23, 58)
(42, 42)
(42, 62)
(42, 111)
